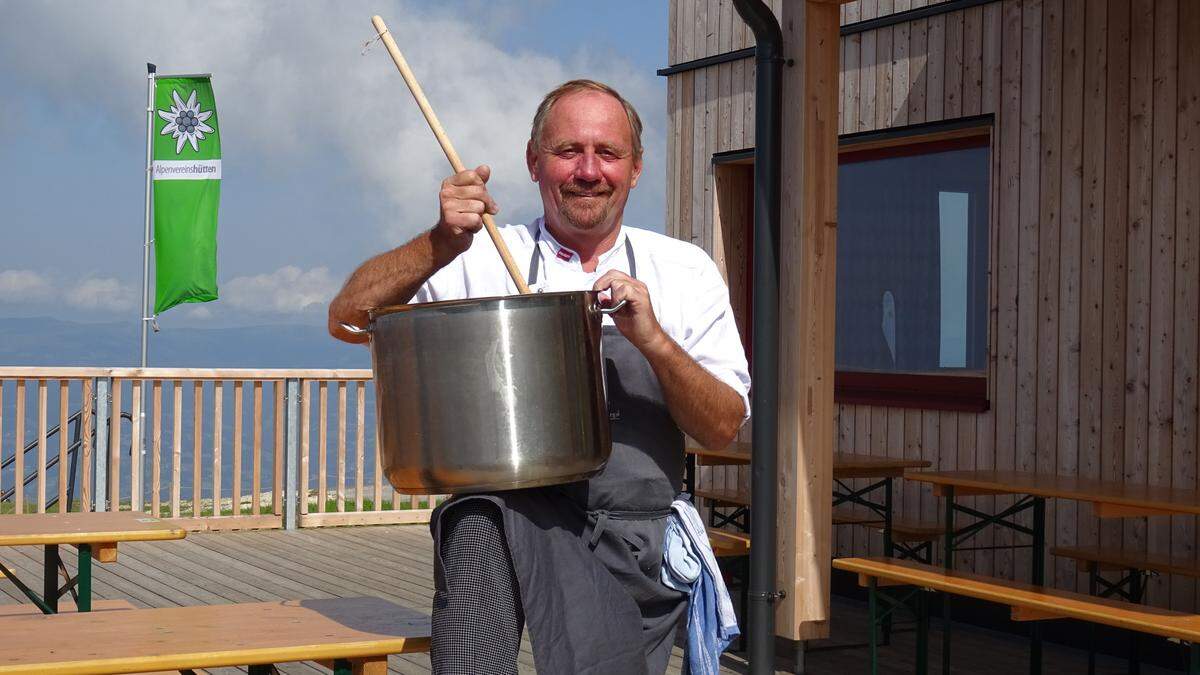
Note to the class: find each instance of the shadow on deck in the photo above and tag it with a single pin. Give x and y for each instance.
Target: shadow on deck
(396, 563)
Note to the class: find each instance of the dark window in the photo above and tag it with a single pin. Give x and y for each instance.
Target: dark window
(912, 282)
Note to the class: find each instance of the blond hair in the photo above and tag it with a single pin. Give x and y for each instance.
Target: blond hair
(574, 86)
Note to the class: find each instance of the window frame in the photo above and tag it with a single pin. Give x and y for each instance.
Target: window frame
(926, 391)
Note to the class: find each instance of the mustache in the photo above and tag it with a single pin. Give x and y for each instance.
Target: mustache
(576, 190)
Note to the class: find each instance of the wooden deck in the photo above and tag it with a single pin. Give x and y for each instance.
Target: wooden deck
(395, 562)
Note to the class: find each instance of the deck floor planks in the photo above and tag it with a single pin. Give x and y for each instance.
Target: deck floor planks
(319, 551)
(373, 551)
(271, 564)
(277, 552)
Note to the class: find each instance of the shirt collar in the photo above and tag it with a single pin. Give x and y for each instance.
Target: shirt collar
(551, 248)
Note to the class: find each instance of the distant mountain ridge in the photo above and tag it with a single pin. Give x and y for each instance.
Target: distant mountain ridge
(44, 341)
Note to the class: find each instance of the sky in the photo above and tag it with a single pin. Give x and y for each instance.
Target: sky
(326, 159)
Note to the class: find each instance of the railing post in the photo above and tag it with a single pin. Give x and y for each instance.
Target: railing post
(291, 461)
(100, 474)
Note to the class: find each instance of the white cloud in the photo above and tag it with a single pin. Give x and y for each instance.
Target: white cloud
(199, 312)
(293, 87)
(102, 294)
(24, 286)
(288, 290)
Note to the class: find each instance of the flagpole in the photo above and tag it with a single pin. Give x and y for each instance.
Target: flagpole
(146, 317)
(151, 69)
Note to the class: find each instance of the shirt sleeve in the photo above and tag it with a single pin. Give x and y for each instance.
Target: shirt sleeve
(711, 334)
(448, 283)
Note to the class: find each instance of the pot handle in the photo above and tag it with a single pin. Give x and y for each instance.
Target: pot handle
(611, 310)
(355, 329)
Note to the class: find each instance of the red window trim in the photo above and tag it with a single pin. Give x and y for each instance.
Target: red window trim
(962, 393)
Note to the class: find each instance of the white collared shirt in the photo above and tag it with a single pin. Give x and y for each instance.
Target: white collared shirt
(688, 294)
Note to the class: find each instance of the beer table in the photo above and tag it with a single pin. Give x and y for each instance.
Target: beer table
(94, 535)
(1109, 499)
(846, 466)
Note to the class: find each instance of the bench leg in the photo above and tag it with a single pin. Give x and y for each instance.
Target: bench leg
(1093, 573)
(50, 577)
(84, 575)
(369, 666)
(922, 632)
(1137, 587)
(1194, 659)
(872, 624)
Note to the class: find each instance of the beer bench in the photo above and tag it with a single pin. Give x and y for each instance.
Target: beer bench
(98, 606)
(351, 635)
(913, 539)
(1026, 602)
(1135, 564)
(726, 544)
(1134, 567)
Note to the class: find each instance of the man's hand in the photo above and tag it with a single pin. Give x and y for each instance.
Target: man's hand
(393, 277)
(463, 200)
(636, 319)
(704, 407)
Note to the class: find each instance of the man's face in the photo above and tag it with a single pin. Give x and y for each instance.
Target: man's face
(585, 165)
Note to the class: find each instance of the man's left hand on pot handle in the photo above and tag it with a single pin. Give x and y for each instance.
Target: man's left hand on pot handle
(636, 319)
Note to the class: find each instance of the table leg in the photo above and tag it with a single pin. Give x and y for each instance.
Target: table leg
(889, 548)
(888, 544)
(689, 476)
(50, 560)
(84, 577)
(1039, 579)
(948, 563)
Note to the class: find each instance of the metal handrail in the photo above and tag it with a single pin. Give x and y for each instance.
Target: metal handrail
(72, 452)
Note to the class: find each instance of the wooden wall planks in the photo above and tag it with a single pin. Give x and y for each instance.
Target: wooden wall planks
(1095, 239)
(1095, 293)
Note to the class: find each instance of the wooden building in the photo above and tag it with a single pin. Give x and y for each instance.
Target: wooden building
(1018, 249)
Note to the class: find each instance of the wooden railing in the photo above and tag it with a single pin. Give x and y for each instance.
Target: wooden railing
(210, 448)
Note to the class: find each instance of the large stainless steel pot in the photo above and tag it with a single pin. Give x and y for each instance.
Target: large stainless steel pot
(490, 393)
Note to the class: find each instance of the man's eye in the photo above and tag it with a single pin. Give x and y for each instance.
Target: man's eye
(567, 153)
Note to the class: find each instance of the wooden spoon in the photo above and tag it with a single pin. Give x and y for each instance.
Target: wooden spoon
(444, 141)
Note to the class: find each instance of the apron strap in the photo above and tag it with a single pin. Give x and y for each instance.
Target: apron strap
(601, 525)
(535, 259)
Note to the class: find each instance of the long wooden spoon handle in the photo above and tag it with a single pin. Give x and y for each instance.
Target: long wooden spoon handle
(447, 147)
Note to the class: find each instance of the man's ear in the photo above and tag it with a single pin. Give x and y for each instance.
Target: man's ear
(637, 172)
(531, 160)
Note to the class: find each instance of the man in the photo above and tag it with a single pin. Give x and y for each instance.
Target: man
(579, 564)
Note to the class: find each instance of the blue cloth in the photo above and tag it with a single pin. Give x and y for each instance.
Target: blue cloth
(681, 562)
(690, 566)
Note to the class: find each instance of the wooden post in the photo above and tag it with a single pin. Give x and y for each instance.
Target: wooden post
(808, 254)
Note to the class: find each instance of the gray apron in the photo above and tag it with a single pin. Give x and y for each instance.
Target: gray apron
(588, 555)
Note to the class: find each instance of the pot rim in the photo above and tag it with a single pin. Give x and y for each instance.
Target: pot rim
(377, 312)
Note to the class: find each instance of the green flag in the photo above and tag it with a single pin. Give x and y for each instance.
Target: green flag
(187, 191)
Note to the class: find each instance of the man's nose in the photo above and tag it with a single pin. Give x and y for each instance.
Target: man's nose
(588, 167)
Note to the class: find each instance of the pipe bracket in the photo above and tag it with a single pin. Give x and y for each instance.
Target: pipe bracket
(770, 597)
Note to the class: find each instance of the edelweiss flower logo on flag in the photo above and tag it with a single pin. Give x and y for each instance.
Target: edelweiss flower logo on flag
(185, 122)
